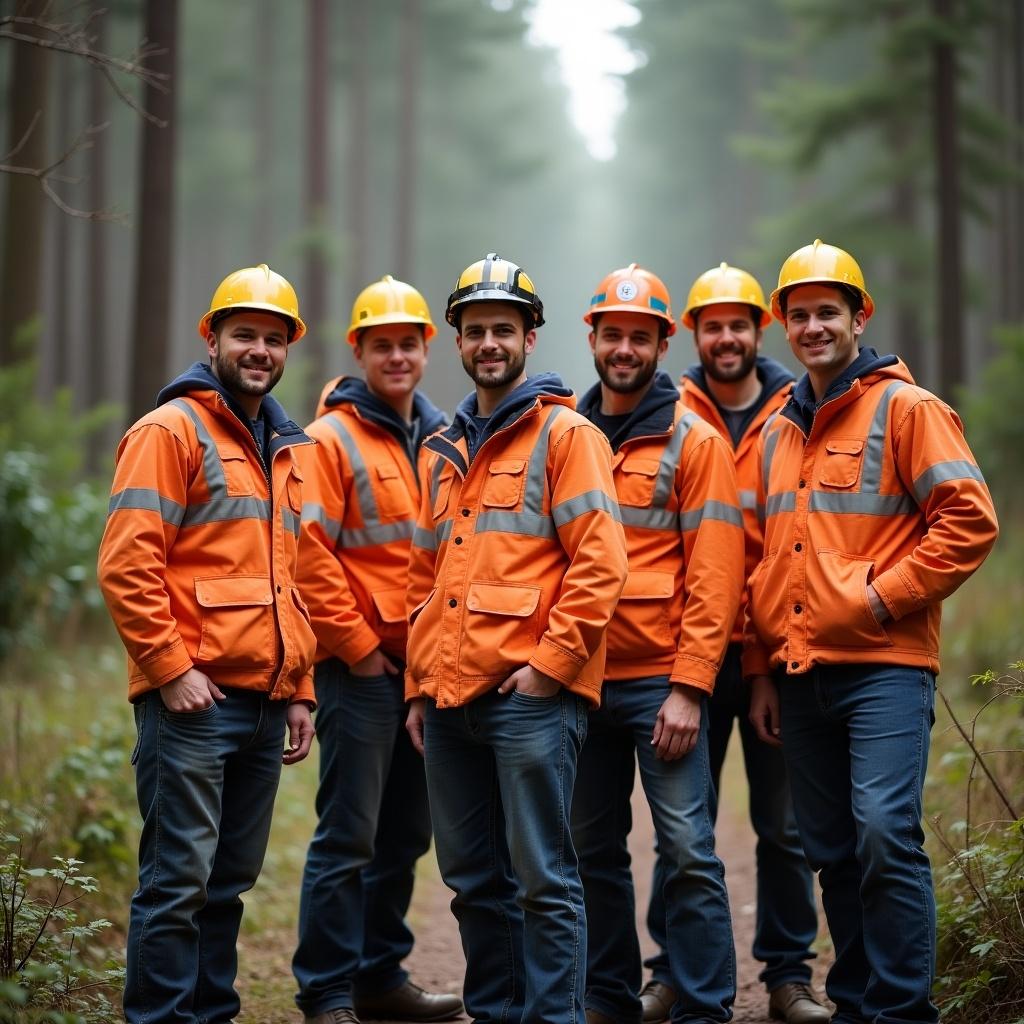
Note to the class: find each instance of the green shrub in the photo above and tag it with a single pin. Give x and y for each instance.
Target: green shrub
(46, 970)
(980, 889)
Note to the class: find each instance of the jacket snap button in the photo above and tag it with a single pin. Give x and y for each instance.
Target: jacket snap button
(803, 483)
(798, 609)
(465, 511)
(798, 547)
(458, 540)
(794, 664)
(452, 603)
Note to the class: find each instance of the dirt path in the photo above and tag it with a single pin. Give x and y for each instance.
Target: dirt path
(437, 962)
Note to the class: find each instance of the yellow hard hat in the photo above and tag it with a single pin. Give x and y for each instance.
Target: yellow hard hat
(820, 263)
(725, 284)
(388, 301)
(632, 290)
(256, 288)
(493, 279)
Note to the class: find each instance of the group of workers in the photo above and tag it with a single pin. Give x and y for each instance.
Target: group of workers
(497, 620)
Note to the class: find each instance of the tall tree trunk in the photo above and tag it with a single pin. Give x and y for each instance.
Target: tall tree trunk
(21, 263)
(950, 298)
(149, 342)
(314, 291)
(263, 228)
(408, 120)
(57, 373)
(1016, 116)
(359, 148)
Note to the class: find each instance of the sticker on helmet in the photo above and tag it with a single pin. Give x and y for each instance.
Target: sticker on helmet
(625, 291)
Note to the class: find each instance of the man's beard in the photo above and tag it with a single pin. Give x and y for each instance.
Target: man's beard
(230, 375)
(748, 359)
(497, 376)
(641, 377)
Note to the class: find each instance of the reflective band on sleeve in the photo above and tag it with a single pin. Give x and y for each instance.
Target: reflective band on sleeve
(424, 539)
(382, 533)
(942, 472)
(862, 504)
(148, 500)
(649, 518)
(874, 449)
(719, 510)
(591, 501)
(748, 499)
(314, 513)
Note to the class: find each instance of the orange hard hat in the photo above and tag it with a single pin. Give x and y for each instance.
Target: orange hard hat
(632, 290)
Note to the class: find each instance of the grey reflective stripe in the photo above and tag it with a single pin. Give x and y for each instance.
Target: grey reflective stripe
(443, 531)
(526, 524)
(148, 500)
(941, 472)
(770, 441)
(649, 518)
(843, 503)
(748, 499)
(710, 510)
(424, 539)
(213, 468)
(784, 501)
(663, 487)
(382, 533)
(290, 521)
(362, 492)
(874, 449)
(569, 510)
(221, 509)
(536, 473)
(435, 479)
(314, 513)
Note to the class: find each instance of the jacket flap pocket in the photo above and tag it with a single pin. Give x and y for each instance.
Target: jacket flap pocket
(233, 591)
(648, 583)
(230, 452)
(844, 446)
(387, 471)
(644, 467)
(503, 598)
(507, 466)
(390, 604)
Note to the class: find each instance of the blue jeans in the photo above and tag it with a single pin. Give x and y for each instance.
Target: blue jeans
(787, 918)
(374, 824)
(702, 963)
(206, 784)
(500, 773)
(856, 743)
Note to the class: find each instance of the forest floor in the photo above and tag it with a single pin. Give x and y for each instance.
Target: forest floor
(436, 962)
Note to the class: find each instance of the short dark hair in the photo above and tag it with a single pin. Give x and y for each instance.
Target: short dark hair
(754, 311)
(595, 319)
(222, 314)
(852, 296)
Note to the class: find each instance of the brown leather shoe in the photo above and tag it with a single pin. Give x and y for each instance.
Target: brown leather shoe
(339, 1015)
(408, 1002)
(596, 1017)
(657, 999)
(795, 1003)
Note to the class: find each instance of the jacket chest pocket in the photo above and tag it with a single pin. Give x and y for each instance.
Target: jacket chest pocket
(393, 497)
(634, 481)
(503, 487)
(238, 474)
(841, 464)
(293, 490)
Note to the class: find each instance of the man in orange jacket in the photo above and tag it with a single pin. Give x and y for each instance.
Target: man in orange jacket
(875, 512)
(676, 488)
(359, 512)
(736, 390)
(517, 562)
(197, 565)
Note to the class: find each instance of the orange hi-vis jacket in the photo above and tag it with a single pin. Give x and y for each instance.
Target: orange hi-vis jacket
(676, 487)
(518, 557)
(360, 502)
(197, 561)
(778, 383)
(882, 489)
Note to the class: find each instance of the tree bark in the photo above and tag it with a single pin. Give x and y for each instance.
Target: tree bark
(24, 217)
(950, 299)
(263, 227)
(359, 149)
(314, 293)
(149, 342)
(58, 373)
(408, 120)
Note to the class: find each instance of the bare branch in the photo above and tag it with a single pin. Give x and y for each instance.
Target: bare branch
(28, 133)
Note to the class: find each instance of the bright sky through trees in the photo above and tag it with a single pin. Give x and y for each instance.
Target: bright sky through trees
(592, 60)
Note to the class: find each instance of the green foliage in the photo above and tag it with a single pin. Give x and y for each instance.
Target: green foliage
(46, 973)
(50, 519)
(980, 888)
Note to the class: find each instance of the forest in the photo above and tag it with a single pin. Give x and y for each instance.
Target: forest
(150, 147)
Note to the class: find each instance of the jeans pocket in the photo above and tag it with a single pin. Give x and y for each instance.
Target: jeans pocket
(201, 716)
(535, 698)
(140, 727)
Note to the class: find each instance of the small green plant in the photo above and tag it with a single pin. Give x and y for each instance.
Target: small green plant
(980, 891)
(46, 971)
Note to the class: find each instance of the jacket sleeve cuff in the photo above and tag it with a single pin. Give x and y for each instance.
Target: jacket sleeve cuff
(695, 672)
(897, 594)
(556, 662)
(358, 643)
(412, 690)
(166, 665)
(305, 692)
(755, 662)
